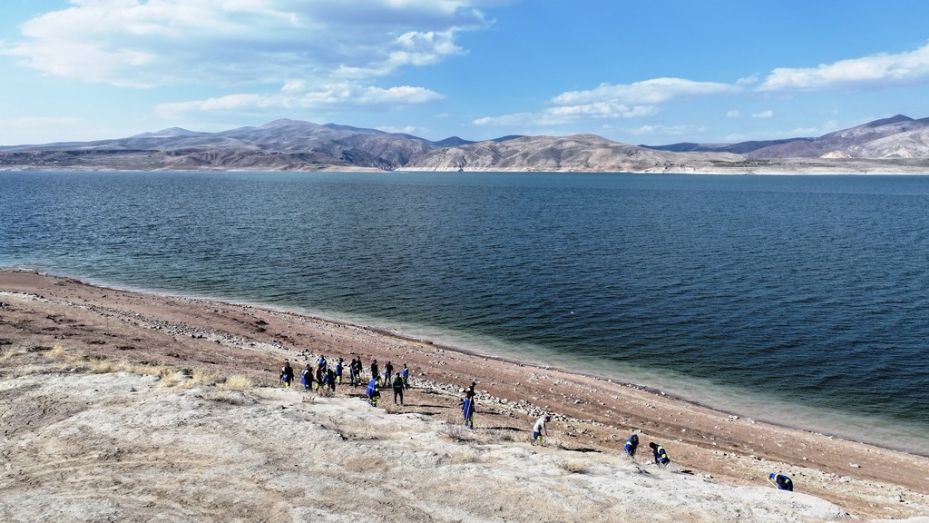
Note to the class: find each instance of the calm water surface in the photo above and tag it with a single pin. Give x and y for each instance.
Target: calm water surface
(797, 299)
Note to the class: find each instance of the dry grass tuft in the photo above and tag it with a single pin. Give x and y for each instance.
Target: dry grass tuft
(230, 397)
(325, 392)
(575, 466)
(58, 352)
(392, 408)
(238, 382)
(8, 355)
(460, 433)
(365, 463)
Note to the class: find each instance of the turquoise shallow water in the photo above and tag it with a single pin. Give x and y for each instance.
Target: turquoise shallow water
(798, 299)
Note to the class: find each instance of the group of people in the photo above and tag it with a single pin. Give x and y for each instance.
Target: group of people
(326, 377)
(781, 481)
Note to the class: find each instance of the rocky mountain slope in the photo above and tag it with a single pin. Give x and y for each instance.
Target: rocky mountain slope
(889, 138)
(896, 144)
(576, 153)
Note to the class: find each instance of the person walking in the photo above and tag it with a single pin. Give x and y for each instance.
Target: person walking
(388, 373)
(375, 373)
(306, 378)
(405, 373)
(467, 410)
(287, 374)
(330, 379)
(398, 389)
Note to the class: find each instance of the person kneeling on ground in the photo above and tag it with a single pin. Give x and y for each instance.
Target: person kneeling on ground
(398, 388)
(781, 481)
(287, 373)
(661, 455)
(631, 445)
(538, 430)
(306, 377)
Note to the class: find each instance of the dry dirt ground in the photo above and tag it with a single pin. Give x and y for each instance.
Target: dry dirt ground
(85, 438)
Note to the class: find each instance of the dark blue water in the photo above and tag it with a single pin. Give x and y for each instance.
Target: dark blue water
(800, 292)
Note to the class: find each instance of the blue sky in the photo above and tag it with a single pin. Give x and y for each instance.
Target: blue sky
(635, 71)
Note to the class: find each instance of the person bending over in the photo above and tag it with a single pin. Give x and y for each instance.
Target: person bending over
(539, 430)
(661, 455)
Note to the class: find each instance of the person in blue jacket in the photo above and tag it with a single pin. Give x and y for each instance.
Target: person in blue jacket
(405, 373)
(372, 392)
(781, 481)
(338, 370)
(467, 410)
(306, 377)
(661, 455)
(631, 445)
(287, 374)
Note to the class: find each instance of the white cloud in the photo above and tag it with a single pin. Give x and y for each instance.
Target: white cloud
(733, 113)
(763, 115)
(647, 92)
(667, 130)
(826, 127)
(142, 43)
(329, 97)
(405, 129)
(609, 101)
(878, 69)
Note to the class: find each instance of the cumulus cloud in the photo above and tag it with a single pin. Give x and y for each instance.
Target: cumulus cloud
(610, 101)
(733, 113)
(763, 115)
(878, 69)
(292, 96)
(141, 43)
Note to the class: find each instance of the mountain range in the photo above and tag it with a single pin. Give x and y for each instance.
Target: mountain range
(896, 144)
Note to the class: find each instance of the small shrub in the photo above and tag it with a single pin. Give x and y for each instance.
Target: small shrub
(238, 382)
(575, 466)
(7, 355)
(457, 432)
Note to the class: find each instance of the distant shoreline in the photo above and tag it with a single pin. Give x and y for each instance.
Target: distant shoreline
(874, 171)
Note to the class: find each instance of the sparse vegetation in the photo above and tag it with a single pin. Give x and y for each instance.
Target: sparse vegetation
(238, 382)
(575, 466)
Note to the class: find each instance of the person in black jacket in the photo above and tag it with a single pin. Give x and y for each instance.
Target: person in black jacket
(287, 373)
(398, 388)
(661, 455)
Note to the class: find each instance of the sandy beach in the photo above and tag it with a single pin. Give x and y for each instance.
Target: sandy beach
(51, 327)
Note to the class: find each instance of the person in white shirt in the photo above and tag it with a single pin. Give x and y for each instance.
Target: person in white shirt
(538, 430)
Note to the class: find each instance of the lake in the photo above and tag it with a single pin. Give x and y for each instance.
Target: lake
(798, 299)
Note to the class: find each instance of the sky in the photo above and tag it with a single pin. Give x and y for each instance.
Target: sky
(645, 72)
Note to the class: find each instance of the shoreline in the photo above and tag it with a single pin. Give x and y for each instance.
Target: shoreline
(530, 362)
(590, 412)
(698, 171)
